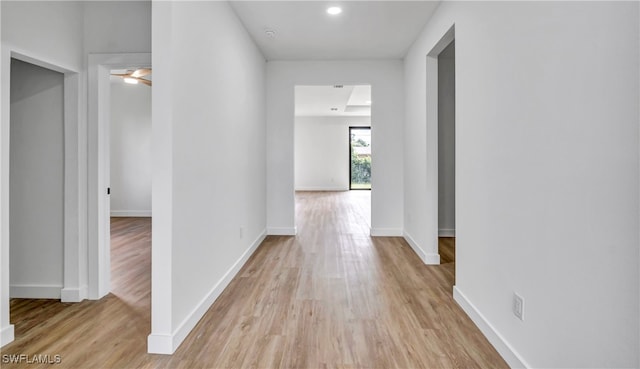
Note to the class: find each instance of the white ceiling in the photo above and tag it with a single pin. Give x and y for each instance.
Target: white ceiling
(318, 101)
(364, 29)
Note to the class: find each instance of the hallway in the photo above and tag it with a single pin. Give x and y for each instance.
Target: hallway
(330, 297)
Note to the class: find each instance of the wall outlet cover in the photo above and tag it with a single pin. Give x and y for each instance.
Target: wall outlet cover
(518, 306)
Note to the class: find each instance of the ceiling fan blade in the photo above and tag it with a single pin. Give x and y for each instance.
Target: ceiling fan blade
(145, 81)
(141, 72)
(120, 75)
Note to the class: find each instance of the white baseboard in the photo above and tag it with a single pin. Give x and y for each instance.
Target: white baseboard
(35, 292)
(446, 232)
(282, 231)
(167, 344)
(386, 232)
(427, 258)
(322, 189)
(414, 245)
(513, 359)
(6, 335)
(161, 344)
(131, 213)
(73, 294)
(432, 259)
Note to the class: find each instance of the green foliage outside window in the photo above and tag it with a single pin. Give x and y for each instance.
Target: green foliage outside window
(360, 169)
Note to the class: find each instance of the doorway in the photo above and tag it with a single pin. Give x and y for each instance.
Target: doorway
(42, 213)
(325, 119)
(129, 181)
(446, 154)
(99, 156)
(36, 190)
(360, 158)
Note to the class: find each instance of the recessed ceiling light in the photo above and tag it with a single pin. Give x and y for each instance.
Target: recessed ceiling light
(270, 33)
(334, 10)
(368, 102)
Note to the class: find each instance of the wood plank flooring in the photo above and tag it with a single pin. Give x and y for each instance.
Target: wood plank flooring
(447, 249)
(331, 297)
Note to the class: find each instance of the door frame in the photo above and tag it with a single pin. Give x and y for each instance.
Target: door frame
(99, 217)
(73, 289)
(432, 145)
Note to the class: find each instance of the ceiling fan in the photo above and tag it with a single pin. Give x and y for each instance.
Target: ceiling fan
(135, 76)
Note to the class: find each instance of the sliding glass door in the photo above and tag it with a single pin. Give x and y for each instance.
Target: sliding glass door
(360, 158)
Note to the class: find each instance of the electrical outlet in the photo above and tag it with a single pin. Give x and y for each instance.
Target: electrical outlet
(518, 306)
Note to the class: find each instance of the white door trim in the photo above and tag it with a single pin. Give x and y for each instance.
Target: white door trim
(432, 145)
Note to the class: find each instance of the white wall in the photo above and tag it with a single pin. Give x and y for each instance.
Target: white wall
(547, 174)
(385, 78)
(36, 181)
(322, 152)
(446, 142)
(130, 149)
(117, 26)
(47, 30)
(209, 163)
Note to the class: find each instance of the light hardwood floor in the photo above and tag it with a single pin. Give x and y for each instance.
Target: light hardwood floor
(447, 249)
(331, 297)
